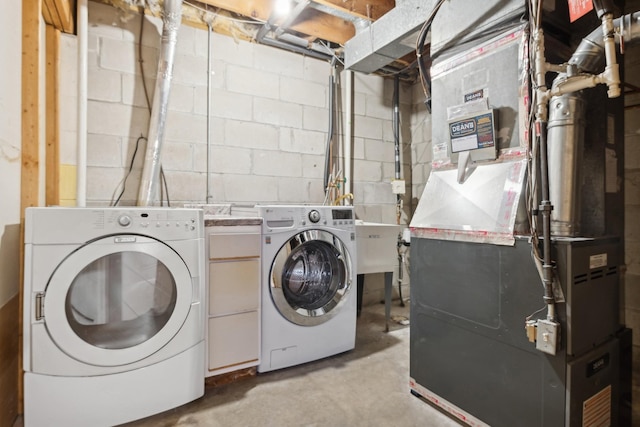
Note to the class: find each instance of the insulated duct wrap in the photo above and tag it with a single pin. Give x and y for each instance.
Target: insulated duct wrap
(172, 15)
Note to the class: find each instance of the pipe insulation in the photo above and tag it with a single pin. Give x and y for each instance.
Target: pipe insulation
(172, 15)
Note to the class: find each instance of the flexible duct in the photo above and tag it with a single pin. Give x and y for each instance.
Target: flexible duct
(566, 127)
(172, 15)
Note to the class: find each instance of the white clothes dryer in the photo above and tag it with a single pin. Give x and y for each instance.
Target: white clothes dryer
(113, 313)
(308, 292)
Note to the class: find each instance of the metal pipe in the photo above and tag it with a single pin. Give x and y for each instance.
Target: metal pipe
(348, 132)
(171, 19)
(81, 162)
(545, 209)
(209, 197)
(396, 123)
(296, 49)
(565, 143)
(396, 143)
(327, 154)
(566, 124)
(589, 57)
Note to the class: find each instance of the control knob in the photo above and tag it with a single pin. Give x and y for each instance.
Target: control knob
(314, 216)
(124, 220)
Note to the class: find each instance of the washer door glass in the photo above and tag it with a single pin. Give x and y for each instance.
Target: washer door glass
(121, 300)
(117, 300)
(311, 277)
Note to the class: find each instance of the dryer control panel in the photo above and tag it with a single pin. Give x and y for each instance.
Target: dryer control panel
(52, 224)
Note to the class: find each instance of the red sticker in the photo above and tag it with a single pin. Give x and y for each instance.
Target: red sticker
(579, 8)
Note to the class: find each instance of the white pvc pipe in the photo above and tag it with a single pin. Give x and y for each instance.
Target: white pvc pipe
(81, 161)
(348, 135)
(208, 196)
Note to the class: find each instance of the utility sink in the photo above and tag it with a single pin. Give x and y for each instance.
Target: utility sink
(376, 245)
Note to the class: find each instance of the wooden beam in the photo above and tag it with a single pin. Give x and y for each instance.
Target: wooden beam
(369, 9)
(323, 26)
(31, 17)
(52, 117)
(310, 22)
(46, 14)
(59, 13)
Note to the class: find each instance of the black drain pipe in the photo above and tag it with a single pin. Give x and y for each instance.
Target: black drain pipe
(545, 208)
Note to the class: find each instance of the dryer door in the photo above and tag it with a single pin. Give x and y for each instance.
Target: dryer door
(117, 300)
(310, 277)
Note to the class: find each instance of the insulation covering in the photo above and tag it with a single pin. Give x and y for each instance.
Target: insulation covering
(482, 209)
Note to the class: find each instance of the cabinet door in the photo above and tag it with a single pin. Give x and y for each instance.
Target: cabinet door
(233, 340)
(234, 286)
(228, 246)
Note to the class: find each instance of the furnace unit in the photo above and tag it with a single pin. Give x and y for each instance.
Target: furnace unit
(500, 336)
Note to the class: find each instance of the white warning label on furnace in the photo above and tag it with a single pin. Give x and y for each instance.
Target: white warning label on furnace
(597, 261)
(596, 410)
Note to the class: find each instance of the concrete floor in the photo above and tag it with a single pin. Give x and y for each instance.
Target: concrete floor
(368, 386)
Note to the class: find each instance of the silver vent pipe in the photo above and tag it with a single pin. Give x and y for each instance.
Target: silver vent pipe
(172, 15)
(589, 56)
(565, 136)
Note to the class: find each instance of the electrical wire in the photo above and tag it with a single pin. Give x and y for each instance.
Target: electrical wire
(141, 62)
(163, 178)
(535, 312)
(124, 181)
(425, 79)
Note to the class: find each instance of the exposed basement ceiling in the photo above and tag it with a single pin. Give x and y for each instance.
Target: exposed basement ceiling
(318, 28)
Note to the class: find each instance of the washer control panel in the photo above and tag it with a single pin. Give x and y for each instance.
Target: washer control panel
(283, 216)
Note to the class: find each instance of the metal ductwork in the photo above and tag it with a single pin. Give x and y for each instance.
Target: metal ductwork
(172, 15)
(394, 34)
(566, 127)
(589, 56)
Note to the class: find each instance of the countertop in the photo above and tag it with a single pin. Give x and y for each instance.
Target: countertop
(230, 220)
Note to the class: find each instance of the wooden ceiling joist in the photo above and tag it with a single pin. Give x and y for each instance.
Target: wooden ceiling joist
(310, 22)
(59, 14)
(371, 9)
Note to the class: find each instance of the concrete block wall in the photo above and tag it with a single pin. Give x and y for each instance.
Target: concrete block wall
(268, 121)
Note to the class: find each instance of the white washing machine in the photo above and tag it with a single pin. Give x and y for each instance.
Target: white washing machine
(308, 286)
(113, 313)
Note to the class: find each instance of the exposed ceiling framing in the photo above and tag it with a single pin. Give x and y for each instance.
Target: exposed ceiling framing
(317, 28)
(330, 20)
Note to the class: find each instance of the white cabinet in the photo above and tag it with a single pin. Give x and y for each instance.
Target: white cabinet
(233, 325)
